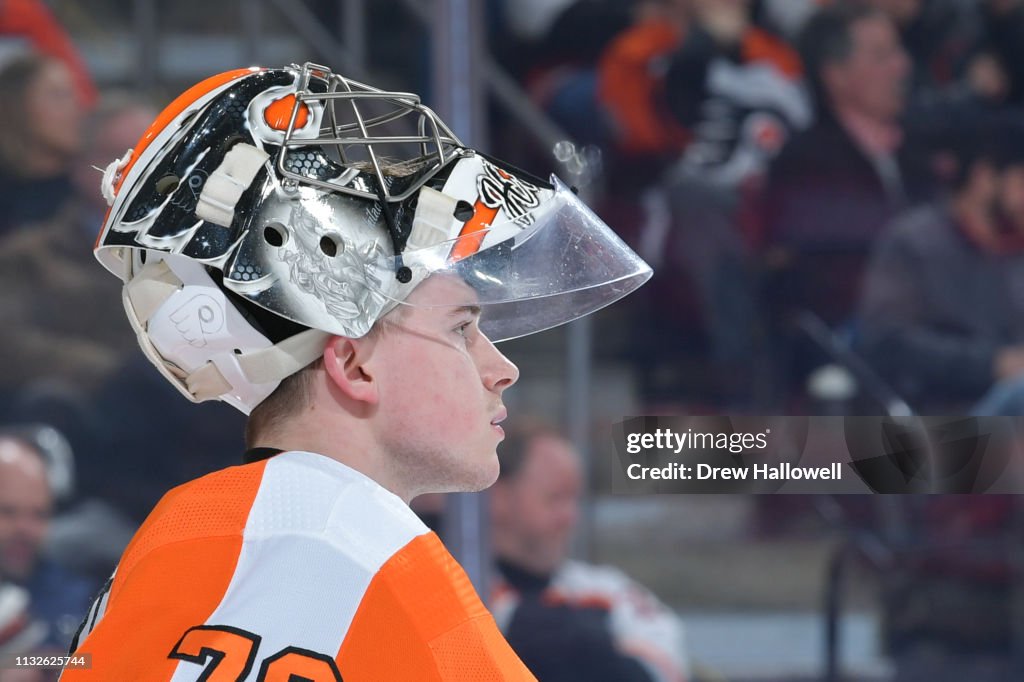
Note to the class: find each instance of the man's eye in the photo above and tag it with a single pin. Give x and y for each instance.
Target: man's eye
(463, 329)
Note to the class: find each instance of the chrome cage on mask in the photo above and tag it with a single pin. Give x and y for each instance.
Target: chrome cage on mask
(437, 143)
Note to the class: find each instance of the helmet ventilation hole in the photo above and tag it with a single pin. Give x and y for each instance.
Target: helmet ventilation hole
(167, 184)
(329, 245)
(463, 211)
(275, 234)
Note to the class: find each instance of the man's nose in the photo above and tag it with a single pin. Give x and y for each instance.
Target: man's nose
(497, 371)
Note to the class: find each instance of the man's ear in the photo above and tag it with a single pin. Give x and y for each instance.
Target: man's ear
(345, 361)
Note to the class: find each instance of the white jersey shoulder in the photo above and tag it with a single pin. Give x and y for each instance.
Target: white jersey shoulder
(317, 534)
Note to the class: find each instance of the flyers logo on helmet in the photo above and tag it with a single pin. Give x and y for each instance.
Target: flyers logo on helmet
(195, 182)
(496, 190)
(499, 189)
(199, 318)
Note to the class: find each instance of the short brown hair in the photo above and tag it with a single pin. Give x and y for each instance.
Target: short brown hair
(827, 38)
(294, 393)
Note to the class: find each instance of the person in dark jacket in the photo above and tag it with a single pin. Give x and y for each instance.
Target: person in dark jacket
(942, 314)
(834, 186)
(41, 123)
(567, 619)
(59, 598)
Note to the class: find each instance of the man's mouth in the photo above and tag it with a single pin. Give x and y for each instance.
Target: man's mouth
(500, 417)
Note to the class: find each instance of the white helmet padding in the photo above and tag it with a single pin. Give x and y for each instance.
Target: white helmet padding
(200, 341)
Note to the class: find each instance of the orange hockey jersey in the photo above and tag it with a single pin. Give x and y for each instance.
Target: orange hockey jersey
(293, 566)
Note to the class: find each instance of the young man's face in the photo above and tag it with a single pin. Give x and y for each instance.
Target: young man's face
(440, 387)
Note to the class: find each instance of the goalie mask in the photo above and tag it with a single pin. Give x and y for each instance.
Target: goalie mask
(265, 210)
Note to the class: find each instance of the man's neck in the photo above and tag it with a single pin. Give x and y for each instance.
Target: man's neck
(343, 441)
(522, 578)
(875, 137)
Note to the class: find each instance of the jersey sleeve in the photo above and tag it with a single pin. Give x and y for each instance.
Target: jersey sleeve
(421, 619)
(172, 576)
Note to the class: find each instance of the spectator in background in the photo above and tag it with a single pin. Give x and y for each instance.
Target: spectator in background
(40, 136)
(58, 598)
(559, 67)
(943, 306)
(568, 620)
(31, 22)
(737, 88)
(53, 292)
(20, 635)
(1003, 26)
(957, 73)
(834, 186)
(85, 535)
(937, 35)
(632, 91)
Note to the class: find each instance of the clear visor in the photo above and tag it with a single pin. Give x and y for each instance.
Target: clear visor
(546, 267)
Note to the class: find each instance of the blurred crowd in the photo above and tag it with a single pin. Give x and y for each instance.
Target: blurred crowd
(768, 157)
(80, 462)
(857, 162)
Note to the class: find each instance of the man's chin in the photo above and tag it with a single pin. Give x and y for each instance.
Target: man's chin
(485, 477)
(546, 566)
(472, 480)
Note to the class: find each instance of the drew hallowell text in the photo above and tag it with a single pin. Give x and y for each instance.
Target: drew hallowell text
(788, 472)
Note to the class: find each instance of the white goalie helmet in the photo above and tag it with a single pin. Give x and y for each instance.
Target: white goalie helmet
(264, 211)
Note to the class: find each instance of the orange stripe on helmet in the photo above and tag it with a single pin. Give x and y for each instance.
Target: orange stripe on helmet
(474, 231)
(99, 235)
(172, 111)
